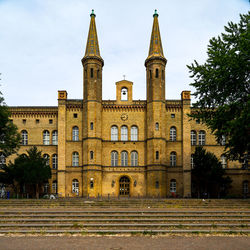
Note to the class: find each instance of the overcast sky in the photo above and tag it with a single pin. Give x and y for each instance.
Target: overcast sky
(42, 43)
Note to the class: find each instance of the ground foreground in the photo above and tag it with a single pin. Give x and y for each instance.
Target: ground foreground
(125, 242)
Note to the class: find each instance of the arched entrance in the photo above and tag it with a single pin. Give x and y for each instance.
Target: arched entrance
(124, 184)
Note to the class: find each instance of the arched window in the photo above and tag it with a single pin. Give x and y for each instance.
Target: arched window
(75, 159)
(24, 137)
(192, 161)
(124, 133)
(2, 159)
(173, 186)
(75, 133)
(223, 160)
(114, 158)
(54, 161)
(46, 138)
(124, 158)
(157, 184)
(223, 140)
(173, 134)
(46, 157)
(54, 137)
(202, 137)
(114, 133)
(75, 186)
(134, 158)
(91, 155)
(46, 188)
(134, 133)
(245, 187)
(173, 159)
(156, 126)
(54, 187)
(124, 94)
(193, 137)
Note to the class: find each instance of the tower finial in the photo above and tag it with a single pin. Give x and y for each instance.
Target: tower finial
(155, 14)
(92, 13)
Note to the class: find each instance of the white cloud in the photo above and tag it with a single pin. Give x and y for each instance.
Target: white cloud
(43, 41)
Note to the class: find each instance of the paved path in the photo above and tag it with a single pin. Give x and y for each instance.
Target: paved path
(125, 242)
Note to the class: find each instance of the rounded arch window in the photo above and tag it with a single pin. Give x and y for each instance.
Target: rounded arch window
(173, 159)
(124, 133)
(75, 159)
(134, 158)
(114, 133)
(75, 133)
(24, 134)
(124, 158)
(46, 137)
(173, 133)
(54, 137)
(173, 186)
(114, 158)
(202, 137)
(47, 159)
(193, 137)
(134, 133)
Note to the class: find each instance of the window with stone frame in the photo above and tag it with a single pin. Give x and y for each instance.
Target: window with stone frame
(193, 138)
(124, 133)
(75, 159)
(46, 137)
(114, 158)
(114, 133)
(173, 186)
(173, 133)
(202, 137)
(54, 137)
(134, 133)
(124, 158)
(75, 133)
(173, 159)
(24, 135)
(134, 158)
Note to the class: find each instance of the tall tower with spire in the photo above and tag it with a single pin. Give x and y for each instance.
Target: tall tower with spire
(155, 65)
(92, 108)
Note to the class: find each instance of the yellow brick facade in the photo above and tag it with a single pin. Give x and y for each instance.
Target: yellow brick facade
(149, 174)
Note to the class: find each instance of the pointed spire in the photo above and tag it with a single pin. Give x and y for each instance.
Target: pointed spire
(92, 47)
(155, 48)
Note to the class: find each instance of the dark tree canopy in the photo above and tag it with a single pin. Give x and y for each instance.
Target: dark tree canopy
(222, 86)
(30, 169)
(9, 137)
(208, 174)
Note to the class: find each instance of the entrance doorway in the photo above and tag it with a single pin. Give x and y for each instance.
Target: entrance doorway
(124, 184)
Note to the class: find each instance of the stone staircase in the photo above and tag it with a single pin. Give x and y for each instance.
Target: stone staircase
(132, 216)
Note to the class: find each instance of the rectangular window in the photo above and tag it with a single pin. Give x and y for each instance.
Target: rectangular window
(75, 115)
(91, 72)
(50, 121)
(37, 121)
(91, 126)
(24, 121)
(172, 115)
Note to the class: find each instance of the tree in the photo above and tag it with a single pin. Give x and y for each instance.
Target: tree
(208, 174)
(29, 170)
(223, 88)
(9, 137)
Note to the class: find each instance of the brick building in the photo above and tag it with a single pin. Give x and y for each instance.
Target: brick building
(123, 146)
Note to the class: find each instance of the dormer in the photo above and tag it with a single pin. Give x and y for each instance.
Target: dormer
(124, 94)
